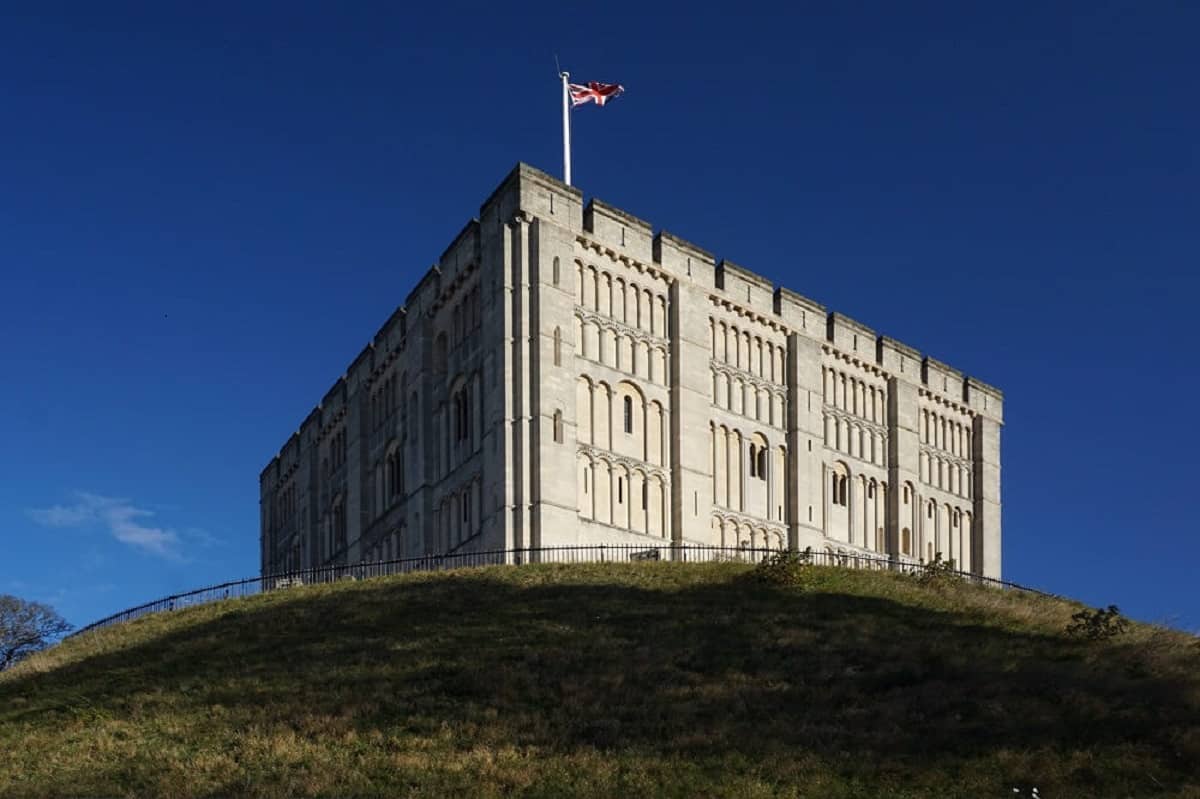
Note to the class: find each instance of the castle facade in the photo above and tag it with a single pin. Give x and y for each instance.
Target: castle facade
(564, 375)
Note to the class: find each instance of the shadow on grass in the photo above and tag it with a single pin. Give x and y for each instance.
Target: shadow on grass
(704, 672)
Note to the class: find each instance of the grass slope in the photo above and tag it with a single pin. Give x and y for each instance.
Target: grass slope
(607, 680)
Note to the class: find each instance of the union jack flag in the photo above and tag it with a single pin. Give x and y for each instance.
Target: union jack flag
(598, 93)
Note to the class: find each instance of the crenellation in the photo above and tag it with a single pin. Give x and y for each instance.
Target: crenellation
(531, 190)
(269, 474)
(391, 332)
(745, 287)
(850, 336)
(983, 398)
(464, 249)
(361, 368)
(682, 259)
(564, 375)
(310, 428)
(799, 313)
(621, 231)
(942, 378)
(899, 359)
(426, 291)
(336, 395)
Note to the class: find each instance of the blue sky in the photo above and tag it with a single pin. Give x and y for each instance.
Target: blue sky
(205, 213)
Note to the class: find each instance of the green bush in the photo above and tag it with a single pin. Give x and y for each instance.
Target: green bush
(785, 568)
(1097, 625)
(938, 572)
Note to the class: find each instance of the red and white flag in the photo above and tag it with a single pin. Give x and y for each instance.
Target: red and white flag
(598, 93)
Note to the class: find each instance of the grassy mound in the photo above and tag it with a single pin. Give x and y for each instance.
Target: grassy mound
(634, 680)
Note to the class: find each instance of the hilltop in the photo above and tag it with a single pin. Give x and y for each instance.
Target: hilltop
(652, 679)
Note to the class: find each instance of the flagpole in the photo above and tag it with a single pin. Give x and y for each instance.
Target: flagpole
(566, 99)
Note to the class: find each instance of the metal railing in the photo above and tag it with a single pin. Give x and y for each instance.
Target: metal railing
(599, 553)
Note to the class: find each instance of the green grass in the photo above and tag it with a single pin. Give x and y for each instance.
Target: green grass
(632, 680)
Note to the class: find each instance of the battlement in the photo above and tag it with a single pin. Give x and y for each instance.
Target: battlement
(898, 358)
(620, 230)
(529, 193)
(743, 286)
(462, 252)
(851, 337)
(532, 191)
(683, 259)
(632, 236)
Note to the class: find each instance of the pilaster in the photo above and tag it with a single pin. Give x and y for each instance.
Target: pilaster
(805, 443)
(986, 535)
(691, 387)
(903, 418)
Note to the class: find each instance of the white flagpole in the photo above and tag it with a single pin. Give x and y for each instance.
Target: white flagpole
(566, 97)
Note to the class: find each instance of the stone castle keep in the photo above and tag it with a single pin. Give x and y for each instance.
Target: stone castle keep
(564, 375)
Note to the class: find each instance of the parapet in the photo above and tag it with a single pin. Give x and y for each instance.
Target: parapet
(269, 475)
(942, 377)
(393, 331)
(528, 192)
(850, 336)
(984, 399)
(529, 189)
(310, 428)
(799, 312)
(898, 358)
(621, 231)
(683, 259)
(462, 252)
(360, 370)
(335, 397)
(745, 287)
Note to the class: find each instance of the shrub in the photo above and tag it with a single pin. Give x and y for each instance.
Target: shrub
(1097, 625)
(938, 572)
(784, 568)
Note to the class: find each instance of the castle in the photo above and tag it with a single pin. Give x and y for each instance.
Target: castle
(564, 375)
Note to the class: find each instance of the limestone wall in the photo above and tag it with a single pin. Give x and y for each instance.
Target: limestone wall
(565, 375)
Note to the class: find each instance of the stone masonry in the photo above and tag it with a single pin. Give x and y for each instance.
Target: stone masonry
(564, 375)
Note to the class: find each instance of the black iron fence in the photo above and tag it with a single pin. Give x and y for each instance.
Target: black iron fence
(599, 553)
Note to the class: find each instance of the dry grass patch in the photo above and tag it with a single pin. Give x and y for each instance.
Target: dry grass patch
(653, 679)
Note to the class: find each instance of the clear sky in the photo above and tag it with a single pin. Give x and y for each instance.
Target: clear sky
(207, 210)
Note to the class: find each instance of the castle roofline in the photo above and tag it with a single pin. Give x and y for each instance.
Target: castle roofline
(682, 245)
(726, 266)
(524, 170)
(595, 205)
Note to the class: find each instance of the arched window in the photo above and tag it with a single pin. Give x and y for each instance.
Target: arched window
(557, 340)
(628, 414)
(461, 404)
(839, 490)
(558, 427)
(753, 461)
(395, 476)
(762, 464)
(555, 270)
(440, 353)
